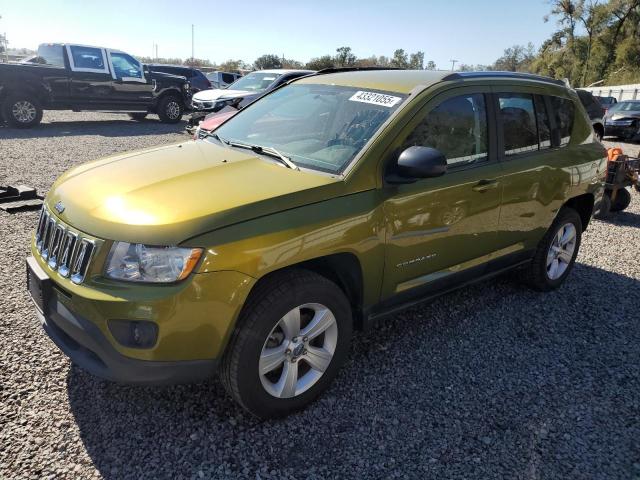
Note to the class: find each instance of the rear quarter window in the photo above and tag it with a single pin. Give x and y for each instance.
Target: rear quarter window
(564, 115)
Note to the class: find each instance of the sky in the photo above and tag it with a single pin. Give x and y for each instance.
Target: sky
(472, 32)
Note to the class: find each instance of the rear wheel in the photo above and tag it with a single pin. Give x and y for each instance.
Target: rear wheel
(137, 116)
(22, 110)
(289, 344)
(622, 201)
(170, 109)
(556, 252)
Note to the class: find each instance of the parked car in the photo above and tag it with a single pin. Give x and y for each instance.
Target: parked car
(606, 102)
(222, 79)
(594, 110)
(213, 121)
(79, 77)
(320, 208)
(623, 120)
(241, 93)
(196, 78)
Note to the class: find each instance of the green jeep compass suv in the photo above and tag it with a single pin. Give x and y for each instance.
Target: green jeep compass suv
(333, 201)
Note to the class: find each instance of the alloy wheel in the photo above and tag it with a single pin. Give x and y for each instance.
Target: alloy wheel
(173, 110)
(298, 350)
(24, 111)
(561, 251)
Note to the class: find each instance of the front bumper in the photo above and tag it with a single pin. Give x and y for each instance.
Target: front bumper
(623, 131)
(84, 343)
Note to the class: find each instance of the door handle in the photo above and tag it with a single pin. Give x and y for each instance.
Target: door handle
(484, 185)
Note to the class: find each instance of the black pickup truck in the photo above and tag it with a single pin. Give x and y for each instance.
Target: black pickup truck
(78, 77)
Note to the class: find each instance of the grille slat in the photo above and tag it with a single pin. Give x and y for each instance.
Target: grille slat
(63, 249)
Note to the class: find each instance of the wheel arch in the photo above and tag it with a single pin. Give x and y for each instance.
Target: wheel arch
(583, 204)
(343, 269)
(599, 129)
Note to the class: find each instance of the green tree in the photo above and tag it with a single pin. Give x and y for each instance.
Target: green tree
(345, 57)
(431, 65)
(267, 61)
(416, 61)
(400, 59)
(326, 61)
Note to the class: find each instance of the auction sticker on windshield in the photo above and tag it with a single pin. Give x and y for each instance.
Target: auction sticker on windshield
(375, 98)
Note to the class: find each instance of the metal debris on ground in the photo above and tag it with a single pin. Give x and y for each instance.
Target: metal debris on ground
(20, 198)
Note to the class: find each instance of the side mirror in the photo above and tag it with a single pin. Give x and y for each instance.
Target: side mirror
(418, 162)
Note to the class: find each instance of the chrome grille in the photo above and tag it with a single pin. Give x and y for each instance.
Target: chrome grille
(66, 251)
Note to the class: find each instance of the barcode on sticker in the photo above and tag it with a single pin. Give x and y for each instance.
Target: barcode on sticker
(375, 98)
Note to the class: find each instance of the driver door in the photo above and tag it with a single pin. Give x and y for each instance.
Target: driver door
(437, 227)
(131, 89)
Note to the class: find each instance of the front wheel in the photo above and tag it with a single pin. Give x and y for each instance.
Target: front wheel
(170, 109)
(556, 252)
(290, 342)
(22, 110)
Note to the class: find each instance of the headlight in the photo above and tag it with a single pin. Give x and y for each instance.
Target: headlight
(143, 263)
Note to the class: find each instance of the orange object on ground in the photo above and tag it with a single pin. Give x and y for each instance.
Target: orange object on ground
(612, 153)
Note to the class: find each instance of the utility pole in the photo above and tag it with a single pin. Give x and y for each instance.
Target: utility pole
(453, 64)
(156, 52)
(192, 35)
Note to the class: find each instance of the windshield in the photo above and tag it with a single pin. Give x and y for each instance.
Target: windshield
(625, 107)
(254, 82)
(322, 127)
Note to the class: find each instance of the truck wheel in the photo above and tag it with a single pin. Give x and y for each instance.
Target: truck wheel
(292, 337)
(556, 252)
(22, 110)
(170, 109)
(137, 116)
(622, 201)
(603, 210)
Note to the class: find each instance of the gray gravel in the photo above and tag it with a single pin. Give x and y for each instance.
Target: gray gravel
(495, 381)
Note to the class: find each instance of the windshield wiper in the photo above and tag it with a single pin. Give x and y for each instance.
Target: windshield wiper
(272, 152)
(207, 134)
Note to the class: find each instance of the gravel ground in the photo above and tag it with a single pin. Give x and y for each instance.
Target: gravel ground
(495, 381)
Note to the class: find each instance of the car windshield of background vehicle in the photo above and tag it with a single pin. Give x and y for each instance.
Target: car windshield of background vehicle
(254, 82)
(625, 107)
(321, 127)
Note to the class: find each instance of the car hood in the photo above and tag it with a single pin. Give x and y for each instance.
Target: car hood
(215, 94)
(625, 114)
(166, 195)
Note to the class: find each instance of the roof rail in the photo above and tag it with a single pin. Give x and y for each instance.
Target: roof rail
(494, 74)
(324, 71)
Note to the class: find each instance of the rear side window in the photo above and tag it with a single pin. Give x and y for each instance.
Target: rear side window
(50, 55)
(457, 128)
(87, 58)
(228, 78)
(518, 123)
(563, 112)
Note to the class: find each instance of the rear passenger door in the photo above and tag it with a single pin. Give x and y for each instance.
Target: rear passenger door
(532, 142)
(91, 85)
(438, 227)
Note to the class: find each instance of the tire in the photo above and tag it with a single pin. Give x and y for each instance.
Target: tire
(268, 323)
(604, 208)
(622, 201)
(540, 274)
(22, 110)
(137, 116)
(170, 109)
(599, 133)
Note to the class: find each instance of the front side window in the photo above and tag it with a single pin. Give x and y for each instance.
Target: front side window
(518, 123)
(457, 128)
(125, 66)
(563, 110)
(87, 58)
(254, 82)
(322, 127)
